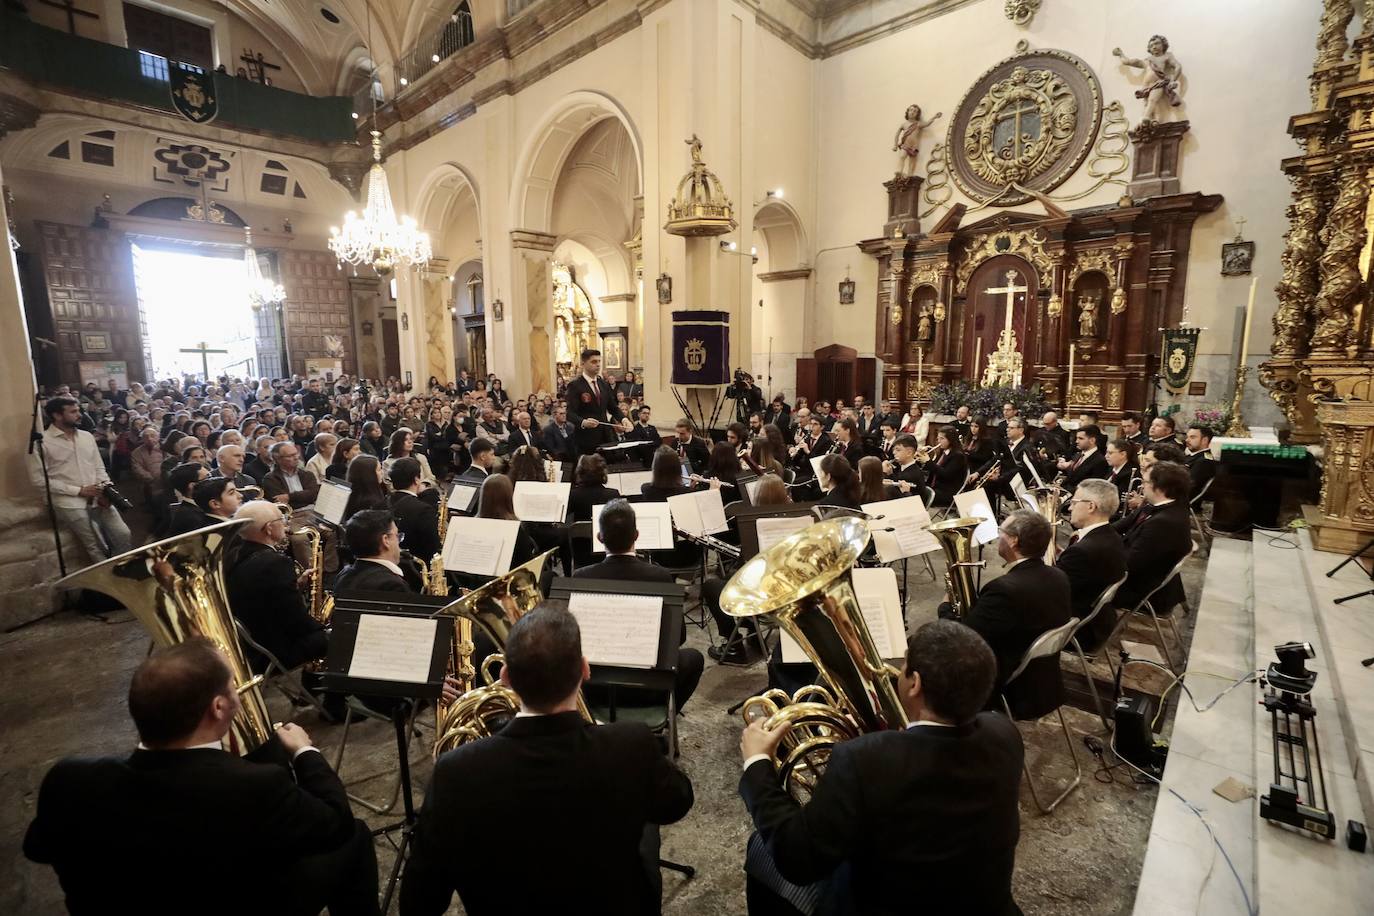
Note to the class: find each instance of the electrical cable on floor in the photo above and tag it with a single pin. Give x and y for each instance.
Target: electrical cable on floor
(1178, 682)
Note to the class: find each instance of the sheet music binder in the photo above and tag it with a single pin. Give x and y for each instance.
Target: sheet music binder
(661, 677)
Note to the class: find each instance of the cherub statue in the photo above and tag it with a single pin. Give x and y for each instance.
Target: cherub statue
(1163, 72)
(908, 138)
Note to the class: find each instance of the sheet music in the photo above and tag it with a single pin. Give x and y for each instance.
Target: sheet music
(536, 501)
(393, 648)
(816, 465)
(653, 520)
(481, 546)
(619, 631)
(627, 483)
(1018, 486)
(461, 496)
(751, 487)
(911, 518)
(881, 607)
(331, 501)
(772, 530)
(975, 503)
(1026, 458)
(699, 512)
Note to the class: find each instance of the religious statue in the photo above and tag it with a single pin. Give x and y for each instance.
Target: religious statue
(1163, 72)
(925, 328)
(908, 138)
(562, 348)
(694, 145)
(1087, 316)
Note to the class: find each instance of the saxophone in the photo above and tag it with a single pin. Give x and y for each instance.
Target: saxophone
(321, 606)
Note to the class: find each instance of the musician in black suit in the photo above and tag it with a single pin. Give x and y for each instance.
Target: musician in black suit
(904, 470)
(811, 443)
(375, 543)
(963, 424)
(1157, 537)
(618, 532)
(1018, 446)
(1197, 456)
(949, 469)
(1089, 463)
(690, 448)
(560, 436)
(935, 802)
(1122, 469)
(591, 403)
(1052, 437)
(218, 498)
(887, 438)
(185, 515)
(160, 831)
(1163, 431)
(1095, 557)
(483, 455)
(1132, 429)
(602, 788)
(847, 442)
(1014, 609)
(524, 434)
(417, 519)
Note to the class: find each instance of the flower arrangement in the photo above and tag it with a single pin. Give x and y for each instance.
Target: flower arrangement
(945, 399)
(1216, 416)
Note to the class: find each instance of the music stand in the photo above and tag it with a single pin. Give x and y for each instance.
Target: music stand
(406, 620)
(747, 520)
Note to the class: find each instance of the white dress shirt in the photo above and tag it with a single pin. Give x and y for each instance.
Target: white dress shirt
(387, 563)
(73, 462)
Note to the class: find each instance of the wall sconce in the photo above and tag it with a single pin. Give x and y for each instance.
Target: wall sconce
(846, 289)
(367, 328)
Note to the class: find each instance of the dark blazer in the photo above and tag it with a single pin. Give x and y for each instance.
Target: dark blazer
(581, 499)
(131, 835)
(837, 499)
(185, 517)
(1093, 466)
(519, 437)
(853, 453)
(1201, 468)
(695, 452)
(418, 520)
(1155, 542)
(625, 569)
(588, 403)
(1010, 613)
(802, 460)
(1141, 438)
(561, 446)
(947, 476)
(261, 585)
(1057, 439)
(607, 782)
(366, 576)
(256, 469)
(274, 485)
(912, 474)
(937, 806)
(473, 472)
(1121, 478)
(1092, 563)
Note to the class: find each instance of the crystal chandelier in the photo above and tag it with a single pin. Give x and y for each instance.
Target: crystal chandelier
(261, 290)
(378, 237)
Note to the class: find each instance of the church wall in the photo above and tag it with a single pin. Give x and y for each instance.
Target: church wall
(1245, 69)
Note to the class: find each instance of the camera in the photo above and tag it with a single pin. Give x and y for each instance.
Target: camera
(116, 498)
(1289, 674)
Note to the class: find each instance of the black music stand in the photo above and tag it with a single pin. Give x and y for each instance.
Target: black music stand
(351, 611)
(1355, 557)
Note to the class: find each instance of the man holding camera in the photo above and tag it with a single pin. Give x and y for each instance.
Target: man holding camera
(748, 397)
(81, 488)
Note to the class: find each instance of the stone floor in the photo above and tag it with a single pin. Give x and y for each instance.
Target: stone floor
(64, 683)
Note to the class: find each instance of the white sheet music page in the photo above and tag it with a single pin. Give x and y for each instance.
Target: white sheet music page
(331, 501)
(751, 488)
(1018, 486)
(772, 530)
(699, 512)
(653, 521)
(461, 496)
(881, 607)
(481, 546)
(910, 517)
(537, 501)
(1026, 459)
(816, 465)
(393, 648)
(975, 503)
(619, 631)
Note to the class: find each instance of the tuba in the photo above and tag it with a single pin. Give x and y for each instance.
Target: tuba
(175, 588)
(1047, 502)
(804, 583)
(956, 537)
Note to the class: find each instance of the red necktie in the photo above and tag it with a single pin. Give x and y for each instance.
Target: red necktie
(1076, 462)
(1073, 538)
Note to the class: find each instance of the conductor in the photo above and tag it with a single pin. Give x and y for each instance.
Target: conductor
(591, 403)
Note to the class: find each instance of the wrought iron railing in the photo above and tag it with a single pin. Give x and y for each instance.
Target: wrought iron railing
(443, 42)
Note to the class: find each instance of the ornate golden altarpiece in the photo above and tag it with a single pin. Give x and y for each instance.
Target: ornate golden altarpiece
(1321, 366)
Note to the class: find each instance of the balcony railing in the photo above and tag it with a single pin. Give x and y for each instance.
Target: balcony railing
(102, 71)
(433, 48)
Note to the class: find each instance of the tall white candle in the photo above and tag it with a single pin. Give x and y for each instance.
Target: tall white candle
(1069, 391)
(1249, 316)
(977, 359)
(920, 369)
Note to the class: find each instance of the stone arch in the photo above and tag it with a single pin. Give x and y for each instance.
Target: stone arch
(444, 191)
(783, 234)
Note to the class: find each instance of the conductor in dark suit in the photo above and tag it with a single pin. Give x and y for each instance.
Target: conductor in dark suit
(265, 592)
(169, 828)
(1157, 537)
(618, 532)
(1095, 557)
(374, 541)
(934, 802)
(591, 401)
(597, 791)
(416, 519)
(1020, 605)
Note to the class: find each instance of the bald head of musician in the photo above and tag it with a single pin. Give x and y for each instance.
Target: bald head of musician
(266, 525)
(544, 663)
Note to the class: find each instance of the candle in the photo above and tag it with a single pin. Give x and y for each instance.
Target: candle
(1068, 393)
(1249, 314)
(920, 369)
(977, 358)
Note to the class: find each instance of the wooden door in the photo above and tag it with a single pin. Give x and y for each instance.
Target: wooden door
(985, 313)
(391, 350)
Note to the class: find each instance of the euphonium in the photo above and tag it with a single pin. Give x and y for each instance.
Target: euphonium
(956, 537)
(175, 588)
(1047, 502)
(804, 582)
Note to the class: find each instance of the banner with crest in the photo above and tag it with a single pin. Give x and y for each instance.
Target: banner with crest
(701, 347)
(193, 93)
(1178, 356)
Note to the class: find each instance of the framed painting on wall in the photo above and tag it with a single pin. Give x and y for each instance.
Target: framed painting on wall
(95, 342)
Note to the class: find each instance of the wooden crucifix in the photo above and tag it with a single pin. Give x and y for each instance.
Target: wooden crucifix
(257, 67)
(204, 352)
(72, 12)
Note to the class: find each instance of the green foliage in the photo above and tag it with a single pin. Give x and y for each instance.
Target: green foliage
(945, 399)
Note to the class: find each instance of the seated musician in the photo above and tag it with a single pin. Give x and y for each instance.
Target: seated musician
(1135, 501)
(373, 539)
(1197, 456)
(185, 515)
(483, 460)
(1088, 463)
(417, 519)
(935, 802)
(264, 591)
(839, 482)
(903, 470)
(1163, 431)
(811, 440)
(619, 532)
(949, 468)
(691, 449)
(609, 784)
(218, 498)
(1095, 557)
(1157, 536)
(1052, 438)
(1132, 429)
(1122, 470)
(159, 830)
(1018, 606)
(847, 441)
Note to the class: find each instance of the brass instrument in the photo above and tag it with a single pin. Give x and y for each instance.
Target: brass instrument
(320, 605)
(728, 551)
(1048, 501)
(175, 588)
(956, 537)
(804, 582)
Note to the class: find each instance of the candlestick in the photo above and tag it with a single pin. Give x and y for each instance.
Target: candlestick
(1068, 392)
(920, 370)
(1249, 314)
(977, 360)
(1238, 429)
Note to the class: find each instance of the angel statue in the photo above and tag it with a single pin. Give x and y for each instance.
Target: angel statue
(908, 138)
(1163, 72)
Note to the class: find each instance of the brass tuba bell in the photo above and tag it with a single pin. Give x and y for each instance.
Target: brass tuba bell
(956, 537)
(175, 587)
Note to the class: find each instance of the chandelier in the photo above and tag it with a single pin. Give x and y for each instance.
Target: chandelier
(378, 237)
(262, 291)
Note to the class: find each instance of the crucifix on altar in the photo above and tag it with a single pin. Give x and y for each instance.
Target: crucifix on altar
(204, 352)
(1004, 364)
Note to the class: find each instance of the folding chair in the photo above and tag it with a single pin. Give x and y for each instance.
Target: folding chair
(288, 681)
(658, 716)
(1194, 507)
(1103, 600)
(1047, 645)
(1145, 606)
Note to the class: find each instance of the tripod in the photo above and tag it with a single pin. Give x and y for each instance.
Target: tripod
(400, 717)
(36, 442)
(1355, 557)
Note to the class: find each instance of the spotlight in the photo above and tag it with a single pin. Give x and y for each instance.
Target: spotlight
(404, 81)
(776, 192)
(355, 116)
(753, 249)
(435, 58)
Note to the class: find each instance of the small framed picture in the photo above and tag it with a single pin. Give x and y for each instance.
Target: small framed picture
(95, 342)
(664, 283)
(1236, 258)
(498, 310)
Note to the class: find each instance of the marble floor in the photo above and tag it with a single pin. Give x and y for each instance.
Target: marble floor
(65, 679)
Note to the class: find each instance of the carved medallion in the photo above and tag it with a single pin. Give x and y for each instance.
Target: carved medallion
(1028, 122)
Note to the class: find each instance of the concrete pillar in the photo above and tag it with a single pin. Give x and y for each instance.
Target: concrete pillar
(410, 327)
(529, 313)
(438, 296)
